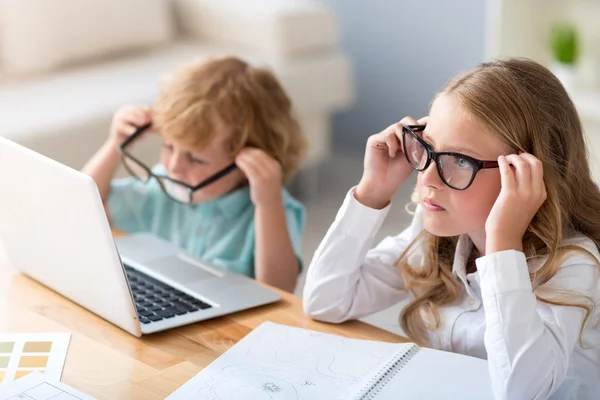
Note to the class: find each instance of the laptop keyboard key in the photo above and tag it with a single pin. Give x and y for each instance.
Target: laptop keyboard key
(181, 304)
(167, 312)
(154, 317)
(180, 311)
(155, 300)
(145, 313)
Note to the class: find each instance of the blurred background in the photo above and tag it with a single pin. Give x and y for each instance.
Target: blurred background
(351, 68)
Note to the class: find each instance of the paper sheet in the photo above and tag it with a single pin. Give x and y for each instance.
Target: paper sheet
(281, 362)
(35, 386)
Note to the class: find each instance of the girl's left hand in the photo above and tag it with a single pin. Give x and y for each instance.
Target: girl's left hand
(264, 175)
(523, 193)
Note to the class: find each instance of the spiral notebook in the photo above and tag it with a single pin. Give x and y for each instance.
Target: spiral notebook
(282, 362)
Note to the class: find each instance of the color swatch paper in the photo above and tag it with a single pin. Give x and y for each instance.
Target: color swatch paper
(24, 353)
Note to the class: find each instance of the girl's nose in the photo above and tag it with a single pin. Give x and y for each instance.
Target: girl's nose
(431, 178)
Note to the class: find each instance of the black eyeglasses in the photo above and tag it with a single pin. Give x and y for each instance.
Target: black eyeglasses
(176, 190)
(456, 170)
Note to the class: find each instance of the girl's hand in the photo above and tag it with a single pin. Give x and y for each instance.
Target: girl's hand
(523, 193)
(264, 175)
(385, 166)
(126, 121)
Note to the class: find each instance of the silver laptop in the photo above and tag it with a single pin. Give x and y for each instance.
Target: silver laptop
(53, 228)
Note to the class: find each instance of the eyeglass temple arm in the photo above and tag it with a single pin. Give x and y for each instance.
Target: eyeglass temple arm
(489, 164)
(139, 130)
(417, 128)
(216, 176)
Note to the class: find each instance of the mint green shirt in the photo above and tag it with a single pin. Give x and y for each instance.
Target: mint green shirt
(220, 231)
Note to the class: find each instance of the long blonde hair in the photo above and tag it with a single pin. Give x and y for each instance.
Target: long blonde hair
(527, 107)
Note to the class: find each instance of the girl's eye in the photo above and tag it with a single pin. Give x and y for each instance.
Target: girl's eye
(168, 147)
(463, 163)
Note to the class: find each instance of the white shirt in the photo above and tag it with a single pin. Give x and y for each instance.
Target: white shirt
(531, 347)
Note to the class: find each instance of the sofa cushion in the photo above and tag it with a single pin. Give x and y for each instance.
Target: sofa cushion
(275, 28)
(37, 36)
(66, 115)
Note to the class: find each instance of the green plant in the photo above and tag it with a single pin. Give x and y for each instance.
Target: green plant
(565, 43)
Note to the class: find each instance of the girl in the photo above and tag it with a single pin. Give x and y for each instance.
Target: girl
(230, 142)
(501, 259)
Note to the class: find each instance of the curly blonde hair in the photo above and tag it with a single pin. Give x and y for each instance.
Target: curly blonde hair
(249, 100)
(526, 106)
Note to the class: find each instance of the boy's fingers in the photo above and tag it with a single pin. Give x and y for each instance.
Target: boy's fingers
(130, 129)
(126, 128)
(247, 168)
(254, 164)
(140, 117)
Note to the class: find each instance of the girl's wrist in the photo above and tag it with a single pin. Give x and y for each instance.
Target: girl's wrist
(496, 244)
(369, 198)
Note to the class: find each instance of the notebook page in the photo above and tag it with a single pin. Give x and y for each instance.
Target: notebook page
(281, 362)
(439, 375)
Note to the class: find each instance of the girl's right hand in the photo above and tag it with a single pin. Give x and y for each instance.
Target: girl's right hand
(126, 121)
(385, 166)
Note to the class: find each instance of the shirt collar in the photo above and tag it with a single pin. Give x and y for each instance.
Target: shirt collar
(464, 247)
(232, 204)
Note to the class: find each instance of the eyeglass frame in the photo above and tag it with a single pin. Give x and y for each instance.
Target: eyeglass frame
(432, 155)
(125, 154)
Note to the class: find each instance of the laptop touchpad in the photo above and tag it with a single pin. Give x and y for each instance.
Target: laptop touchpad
(183, 269)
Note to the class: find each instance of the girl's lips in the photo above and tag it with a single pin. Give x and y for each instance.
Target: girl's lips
(431, 205)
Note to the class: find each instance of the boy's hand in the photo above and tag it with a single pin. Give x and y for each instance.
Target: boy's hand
(264, 175)
(126, 121)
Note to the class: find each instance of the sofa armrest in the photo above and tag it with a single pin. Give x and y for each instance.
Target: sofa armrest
(278, 29)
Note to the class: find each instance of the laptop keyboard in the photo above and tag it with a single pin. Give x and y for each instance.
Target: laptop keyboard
(155, 301)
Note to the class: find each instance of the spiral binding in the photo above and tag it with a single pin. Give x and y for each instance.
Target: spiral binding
(375, 385)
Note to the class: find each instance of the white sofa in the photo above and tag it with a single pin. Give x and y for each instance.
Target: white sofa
(67, 65)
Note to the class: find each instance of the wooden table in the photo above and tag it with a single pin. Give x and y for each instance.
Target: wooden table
(108, 363)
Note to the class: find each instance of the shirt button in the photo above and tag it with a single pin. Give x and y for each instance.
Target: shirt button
(471, 302)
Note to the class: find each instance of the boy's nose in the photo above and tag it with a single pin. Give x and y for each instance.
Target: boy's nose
(176, 165)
